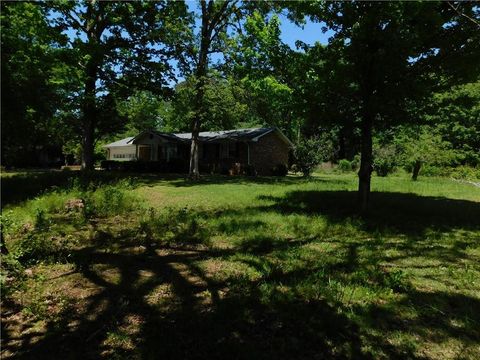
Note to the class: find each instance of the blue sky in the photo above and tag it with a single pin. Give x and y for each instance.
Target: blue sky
(309, 33)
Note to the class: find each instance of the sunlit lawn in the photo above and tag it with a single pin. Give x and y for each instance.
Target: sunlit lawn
(265, 268)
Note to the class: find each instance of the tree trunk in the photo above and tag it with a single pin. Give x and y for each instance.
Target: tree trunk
(201, 73)
(94, 33)
(194, 172)
(366, 161)
(88, 144)
(416, 170)
(3, 247)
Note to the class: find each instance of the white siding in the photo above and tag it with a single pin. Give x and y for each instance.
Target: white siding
(123, 153)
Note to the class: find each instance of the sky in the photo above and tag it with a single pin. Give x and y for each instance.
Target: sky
(309, 33)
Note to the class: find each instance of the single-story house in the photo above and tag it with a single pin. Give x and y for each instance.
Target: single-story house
(227, 151)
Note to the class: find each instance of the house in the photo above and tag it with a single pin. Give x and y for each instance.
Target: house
(230, 151)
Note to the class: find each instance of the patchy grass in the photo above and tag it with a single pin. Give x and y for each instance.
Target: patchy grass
(244, 268)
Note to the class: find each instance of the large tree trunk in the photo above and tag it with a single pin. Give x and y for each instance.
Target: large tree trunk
(194, 172)
(89, 110)
(201, 73)
(3, 246)
(416, 170)
(366, 161)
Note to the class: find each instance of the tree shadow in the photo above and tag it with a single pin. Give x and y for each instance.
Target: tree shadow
(248, 180)
(200, 321)
(179, 310)
(401, 213)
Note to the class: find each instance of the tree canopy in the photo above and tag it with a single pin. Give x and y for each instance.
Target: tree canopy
(75, 73)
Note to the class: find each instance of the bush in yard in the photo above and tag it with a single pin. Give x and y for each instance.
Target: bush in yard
(465, 172)
(355, 163)
(344, 165)
(385, 159)
(310, 152)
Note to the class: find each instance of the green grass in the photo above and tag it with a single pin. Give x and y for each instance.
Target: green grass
(245, 268)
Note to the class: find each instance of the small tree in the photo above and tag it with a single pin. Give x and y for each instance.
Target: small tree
(424, 147)
(385, 159)
(309, 152)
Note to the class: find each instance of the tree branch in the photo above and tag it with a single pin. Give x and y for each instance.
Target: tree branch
(463, 14)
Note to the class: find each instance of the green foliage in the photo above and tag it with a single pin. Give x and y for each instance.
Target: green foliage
(310, 152)
(143, 111)
(456, 114)
(424, 147)
(29, 98)
(344, 165)
(224, 101)
(465, 172)
(385, 159)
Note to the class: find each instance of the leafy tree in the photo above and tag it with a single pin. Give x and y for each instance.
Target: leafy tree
(215, 21)
(224, 101)
(389, 50)
(111, 51)
(456, 114)
(29, 99)
(143, 111)
(267, 69)
(424, 146)
(310, 152)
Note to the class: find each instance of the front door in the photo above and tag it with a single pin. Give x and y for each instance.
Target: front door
(144, 153)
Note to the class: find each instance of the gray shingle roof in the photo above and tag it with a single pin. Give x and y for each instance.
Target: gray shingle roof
(238, 134)
(206, 136)
(123, 142)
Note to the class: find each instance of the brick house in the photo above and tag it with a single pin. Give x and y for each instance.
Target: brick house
(228, 152)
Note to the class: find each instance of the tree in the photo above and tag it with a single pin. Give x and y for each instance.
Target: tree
(29, 99)
(420, 146)
(224, 101)
(267, 69)
(389, 50)
(310, 152)
(456, 114)
(143, 112)
(110, 45)
(215, 19)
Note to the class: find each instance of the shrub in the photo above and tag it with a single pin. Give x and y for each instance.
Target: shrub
(355, 163)
(312, 151)
(465, 172)
(280, 170)
(344, 165)
(385, 159)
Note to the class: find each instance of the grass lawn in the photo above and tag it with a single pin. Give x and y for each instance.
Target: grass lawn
(236, 268)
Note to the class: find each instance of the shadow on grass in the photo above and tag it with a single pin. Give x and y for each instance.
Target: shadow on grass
(245, 180)
(200, 322)
(401, 213)
(163, 305)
